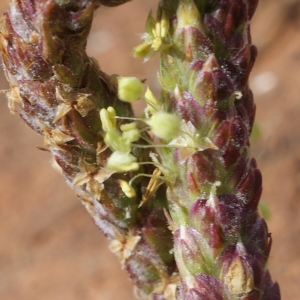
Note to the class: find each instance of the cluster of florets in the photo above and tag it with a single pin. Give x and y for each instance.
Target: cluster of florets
(155, 38)
(169, 127)
(121, 139)
(163, 124)
(119, 142)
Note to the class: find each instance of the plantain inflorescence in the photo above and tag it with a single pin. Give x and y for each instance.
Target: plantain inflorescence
(175, 190)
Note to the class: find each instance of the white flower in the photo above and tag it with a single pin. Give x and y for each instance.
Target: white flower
(155, 36)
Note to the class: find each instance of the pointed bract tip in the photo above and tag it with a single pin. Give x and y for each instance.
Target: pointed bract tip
(188, 14)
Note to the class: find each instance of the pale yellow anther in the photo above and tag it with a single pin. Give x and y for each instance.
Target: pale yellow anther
(116, 142)
(130, 131)
(128, 126)
(127, 189)
(112, 115)
(165, 125)
(122, 162)
(130, 89)
(108, 119)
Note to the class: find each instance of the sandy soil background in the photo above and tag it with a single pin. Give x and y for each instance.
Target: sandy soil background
(49, 246)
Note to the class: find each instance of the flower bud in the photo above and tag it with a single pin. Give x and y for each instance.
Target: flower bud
(223, 87)
(203, 217)
(192, 251)
(188, 108)
(229, 215)
(272, 290)
(221, 137)
(237, 272)
(206, 287)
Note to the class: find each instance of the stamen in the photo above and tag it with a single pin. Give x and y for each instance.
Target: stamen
(158, 146)
(130, 118)
(147, 175)
(156, 164)
(127, 189)
(152, 187)
(171, 226)
(152, 105)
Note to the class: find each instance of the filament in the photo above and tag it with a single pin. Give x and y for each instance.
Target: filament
(129, 118)
(147, 175)
(155, 164)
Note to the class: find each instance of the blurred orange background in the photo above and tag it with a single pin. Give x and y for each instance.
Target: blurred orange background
(49, 246)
